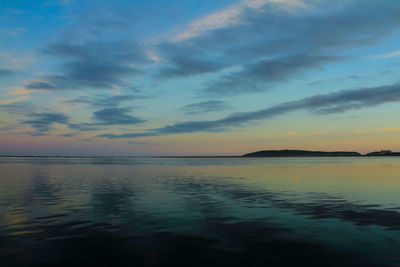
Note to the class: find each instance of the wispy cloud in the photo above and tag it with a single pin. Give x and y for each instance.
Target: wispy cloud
(380, 130)
(185, 60)
(83, 126)
(22, 108)
(68, 135)
(98, 65)
(114, 116)
(18, 90)
(229, 16)
(6, 73)
(42, 122)
(104, 100)
(260, 75)
(13, 95)
(204, 107)
(336, 102)
(127, 135)
(108, 116)
(272, 46)
(14, 100)
(388, 55)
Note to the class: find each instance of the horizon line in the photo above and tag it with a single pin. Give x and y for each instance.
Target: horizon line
(190, 156)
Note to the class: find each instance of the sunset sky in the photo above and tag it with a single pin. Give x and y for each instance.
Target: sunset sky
(198, 77)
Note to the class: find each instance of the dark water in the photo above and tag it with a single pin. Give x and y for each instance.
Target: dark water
(200, 212)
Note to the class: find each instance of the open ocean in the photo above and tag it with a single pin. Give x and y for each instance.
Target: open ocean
(200, 211)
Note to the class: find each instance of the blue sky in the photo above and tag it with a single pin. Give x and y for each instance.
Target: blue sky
(198, 77)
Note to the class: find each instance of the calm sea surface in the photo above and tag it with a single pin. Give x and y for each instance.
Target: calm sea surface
(200, 212)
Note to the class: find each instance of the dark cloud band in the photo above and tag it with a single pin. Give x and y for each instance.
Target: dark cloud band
(336, 102)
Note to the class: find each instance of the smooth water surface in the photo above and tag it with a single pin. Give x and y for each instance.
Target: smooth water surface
(200, 212)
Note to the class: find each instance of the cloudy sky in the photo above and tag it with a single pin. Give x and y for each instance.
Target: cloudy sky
(198, 77)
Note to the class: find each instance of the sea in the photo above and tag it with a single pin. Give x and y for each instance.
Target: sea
(122, 211)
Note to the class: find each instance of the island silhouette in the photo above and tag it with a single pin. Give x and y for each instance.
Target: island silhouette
(307, 153)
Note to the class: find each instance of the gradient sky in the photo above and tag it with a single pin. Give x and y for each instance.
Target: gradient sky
(198, 77)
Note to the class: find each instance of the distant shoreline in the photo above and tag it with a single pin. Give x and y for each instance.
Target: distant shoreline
(307, 153)
(259, 154)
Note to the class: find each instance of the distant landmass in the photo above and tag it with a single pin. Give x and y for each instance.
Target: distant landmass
(306, 153)
(383, 153)
(301, 153)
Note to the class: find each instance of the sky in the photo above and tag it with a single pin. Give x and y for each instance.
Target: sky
(198, 77)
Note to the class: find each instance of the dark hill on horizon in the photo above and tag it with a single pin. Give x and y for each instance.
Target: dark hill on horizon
(383, 153)
(301, 153)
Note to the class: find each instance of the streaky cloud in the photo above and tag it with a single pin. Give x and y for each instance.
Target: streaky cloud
(321, 104)
(204, 107)
(22, 108)
(336, 102)
(228, 17)
(95, 65)
(257, 76)
(274, 45)
(42, 122)
(107, 117)
(114, 116)
(388, 55)
(37, 134)
(40, 85)
(185, 60)
(127, 135)
(4, 73)
(83, 126)
(68, 135)
(104, 100)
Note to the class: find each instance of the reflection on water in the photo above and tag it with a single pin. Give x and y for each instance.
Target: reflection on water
(197, 212)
